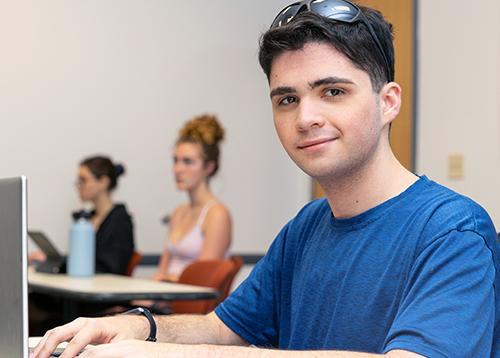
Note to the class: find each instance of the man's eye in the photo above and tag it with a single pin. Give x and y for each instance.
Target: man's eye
(333, 92)
(188, 161)
(288, 100)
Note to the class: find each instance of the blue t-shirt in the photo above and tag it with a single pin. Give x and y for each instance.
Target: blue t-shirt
(419, 272)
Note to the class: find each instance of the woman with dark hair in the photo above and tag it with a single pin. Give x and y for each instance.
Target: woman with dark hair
(114, 235)
(97, 178)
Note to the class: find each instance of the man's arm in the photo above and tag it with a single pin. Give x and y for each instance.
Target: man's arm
(184, 329)
(126, 349)
(189, 336)
(219, 352)
(196, 329)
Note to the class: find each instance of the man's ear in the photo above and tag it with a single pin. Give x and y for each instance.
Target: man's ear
(390, 101)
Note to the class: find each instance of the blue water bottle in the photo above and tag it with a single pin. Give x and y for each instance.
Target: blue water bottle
(81, 258)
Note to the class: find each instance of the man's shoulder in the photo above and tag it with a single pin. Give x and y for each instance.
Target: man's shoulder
(449, 206)
(441, 210)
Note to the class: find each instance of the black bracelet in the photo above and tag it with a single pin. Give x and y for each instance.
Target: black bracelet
(149, 316)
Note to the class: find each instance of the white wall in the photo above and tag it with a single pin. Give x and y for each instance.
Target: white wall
(120, 77)
(459, 96)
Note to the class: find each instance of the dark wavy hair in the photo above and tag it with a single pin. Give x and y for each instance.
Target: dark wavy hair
(352, 40)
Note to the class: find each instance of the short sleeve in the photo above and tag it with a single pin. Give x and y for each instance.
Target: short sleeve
(448, 308)
(252, 310)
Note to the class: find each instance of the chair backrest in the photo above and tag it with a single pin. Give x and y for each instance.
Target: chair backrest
(237, 264)
(208, 273)
(133, 262)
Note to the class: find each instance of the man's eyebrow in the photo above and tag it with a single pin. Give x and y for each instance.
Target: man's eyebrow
(321, 82)
(282, 90)
(329, 81)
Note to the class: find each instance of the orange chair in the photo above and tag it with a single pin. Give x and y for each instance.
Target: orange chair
(132, 264)
(237, 264)
(209, 273)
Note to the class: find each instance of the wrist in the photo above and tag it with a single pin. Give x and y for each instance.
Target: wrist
(141, 328)
(148, 326)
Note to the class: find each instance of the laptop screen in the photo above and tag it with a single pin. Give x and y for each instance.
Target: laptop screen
(13, 268)
(45, 245)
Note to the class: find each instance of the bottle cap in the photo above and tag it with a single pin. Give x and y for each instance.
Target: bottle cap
(81, 214)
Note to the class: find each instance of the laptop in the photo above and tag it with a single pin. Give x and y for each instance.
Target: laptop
(55, 262)
(14, 323)
(13, 268)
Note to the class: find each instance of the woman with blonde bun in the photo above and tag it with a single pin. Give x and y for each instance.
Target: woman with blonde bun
(201, 228)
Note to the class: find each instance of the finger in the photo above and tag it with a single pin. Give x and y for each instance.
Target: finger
(124, 349)
(111, 350)
(90, 332)
(97, 351)
(55, 336)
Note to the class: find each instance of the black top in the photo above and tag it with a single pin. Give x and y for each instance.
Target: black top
(114, 242)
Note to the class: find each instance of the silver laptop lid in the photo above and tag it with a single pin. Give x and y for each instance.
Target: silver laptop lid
(13, 268)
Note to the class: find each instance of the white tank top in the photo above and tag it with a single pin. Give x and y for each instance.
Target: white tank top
(188, 248)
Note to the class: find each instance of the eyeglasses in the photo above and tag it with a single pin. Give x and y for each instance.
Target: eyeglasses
(82, 181)
(339, 10)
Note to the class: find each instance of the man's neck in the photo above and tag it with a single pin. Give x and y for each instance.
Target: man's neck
(368, 187)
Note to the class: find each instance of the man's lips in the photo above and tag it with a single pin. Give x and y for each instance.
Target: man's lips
(315, 142)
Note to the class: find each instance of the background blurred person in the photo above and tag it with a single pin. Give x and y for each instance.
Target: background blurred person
(201, 228)
(97, 178)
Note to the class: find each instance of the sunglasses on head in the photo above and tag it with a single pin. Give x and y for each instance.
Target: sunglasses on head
(339, 10)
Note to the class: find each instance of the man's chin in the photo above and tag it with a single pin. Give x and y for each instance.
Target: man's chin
(316, 169)
(318, 174)
(326, 175)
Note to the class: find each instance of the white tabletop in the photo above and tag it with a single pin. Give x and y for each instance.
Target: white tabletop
(108, 287)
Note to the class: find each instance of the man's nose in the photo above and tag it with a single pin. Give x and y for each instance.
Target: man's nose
(309, 115)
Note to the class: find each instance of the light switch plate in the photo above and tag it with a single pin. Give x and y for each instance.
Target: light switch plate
(456, 166)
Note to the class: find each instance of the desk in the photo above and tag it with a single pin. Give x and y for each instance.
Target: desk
(114, 288)
(108, 288)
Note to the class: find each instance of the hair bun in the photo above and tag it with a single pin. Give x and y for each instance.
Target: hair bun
(205, 129)
(119, 169)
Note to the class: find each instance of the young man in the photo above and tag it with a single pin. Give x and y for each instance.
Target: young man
(389, 263)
